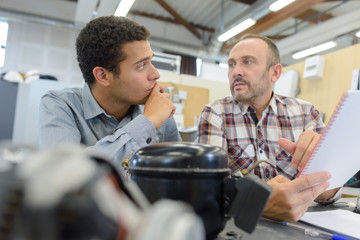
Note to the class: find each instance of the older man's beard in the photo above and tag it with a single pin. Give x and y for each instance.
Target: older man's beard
(254, 90)
(241, 80)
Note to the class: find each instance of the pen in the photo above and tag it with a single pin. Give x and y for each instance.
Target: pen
(313, 232)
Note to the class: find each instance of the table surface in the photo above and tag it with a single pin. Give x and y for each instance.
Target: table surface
(272, 230)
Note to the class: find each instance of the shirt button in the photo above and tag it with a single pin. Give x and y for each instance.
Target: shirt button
(261, 151)
(148, 141)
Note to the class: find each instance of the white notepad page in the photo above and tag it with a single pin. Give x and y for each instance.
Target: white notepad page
(338, 149)
(340, 221)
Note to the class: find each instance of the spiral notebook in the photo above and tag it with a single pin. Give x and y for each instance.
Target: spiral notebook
(338, 149)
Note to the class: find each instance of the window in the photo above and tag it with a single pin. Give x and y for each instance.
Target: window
(3, 39)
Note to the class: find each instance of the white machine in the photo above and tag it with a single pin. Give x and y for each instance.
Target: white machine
(314, 67)
(288, 84)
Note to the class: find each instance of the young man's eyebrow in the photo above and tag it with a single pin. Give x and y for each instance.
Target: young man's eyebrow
(144, 59)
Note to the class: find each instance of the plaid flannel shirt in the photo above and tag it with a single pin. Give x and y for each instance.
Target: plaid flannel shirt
(228, 123)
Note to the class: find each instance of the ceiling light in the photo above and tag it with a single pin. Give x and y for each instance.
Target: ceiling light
(124, 7)
(236, 30)
(314, 50)
(276, 6)
(358, 34)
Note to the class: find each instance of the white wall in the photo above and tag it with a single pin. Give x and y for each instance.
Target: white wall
(43, 47)
(213, 72)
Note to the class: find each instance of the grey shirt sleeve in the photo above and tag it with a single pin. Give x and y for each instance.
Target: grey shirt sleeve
(57, 123)
(136, 134)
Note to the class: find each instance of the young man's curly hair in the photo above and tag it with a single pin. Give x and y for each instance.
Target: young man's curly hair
(100, 43)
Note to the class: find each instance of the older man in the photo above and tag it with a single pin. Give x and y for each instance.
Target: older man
(256, 124)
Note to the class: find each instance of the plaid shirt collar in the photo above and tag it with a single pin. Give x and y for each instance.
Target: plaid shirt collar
(246, 108)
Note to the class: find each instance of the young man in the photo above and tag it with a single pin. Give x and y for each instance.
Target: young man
(255, 124)
(107, 115)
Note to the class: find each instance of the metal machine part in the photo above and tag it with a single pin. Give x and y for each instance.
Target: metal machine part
(198, 174)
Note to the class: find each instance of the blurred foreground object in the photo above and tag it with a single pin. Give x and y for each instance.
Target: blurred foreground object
(66, 193)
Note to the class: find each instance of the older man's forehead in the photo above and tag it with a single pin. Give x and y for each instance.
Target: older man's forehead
(249, 47)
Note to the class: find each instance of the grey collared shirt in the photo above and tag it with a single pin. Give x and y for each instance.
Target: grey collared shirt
(72, 115)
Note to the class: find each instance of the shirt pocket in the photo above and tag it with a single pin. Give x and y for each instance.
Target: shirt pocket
(283, 160)
(241, 155)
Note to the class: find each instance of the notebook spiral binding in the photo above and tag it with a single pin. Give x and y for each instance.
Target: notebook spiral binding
(325, 133)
